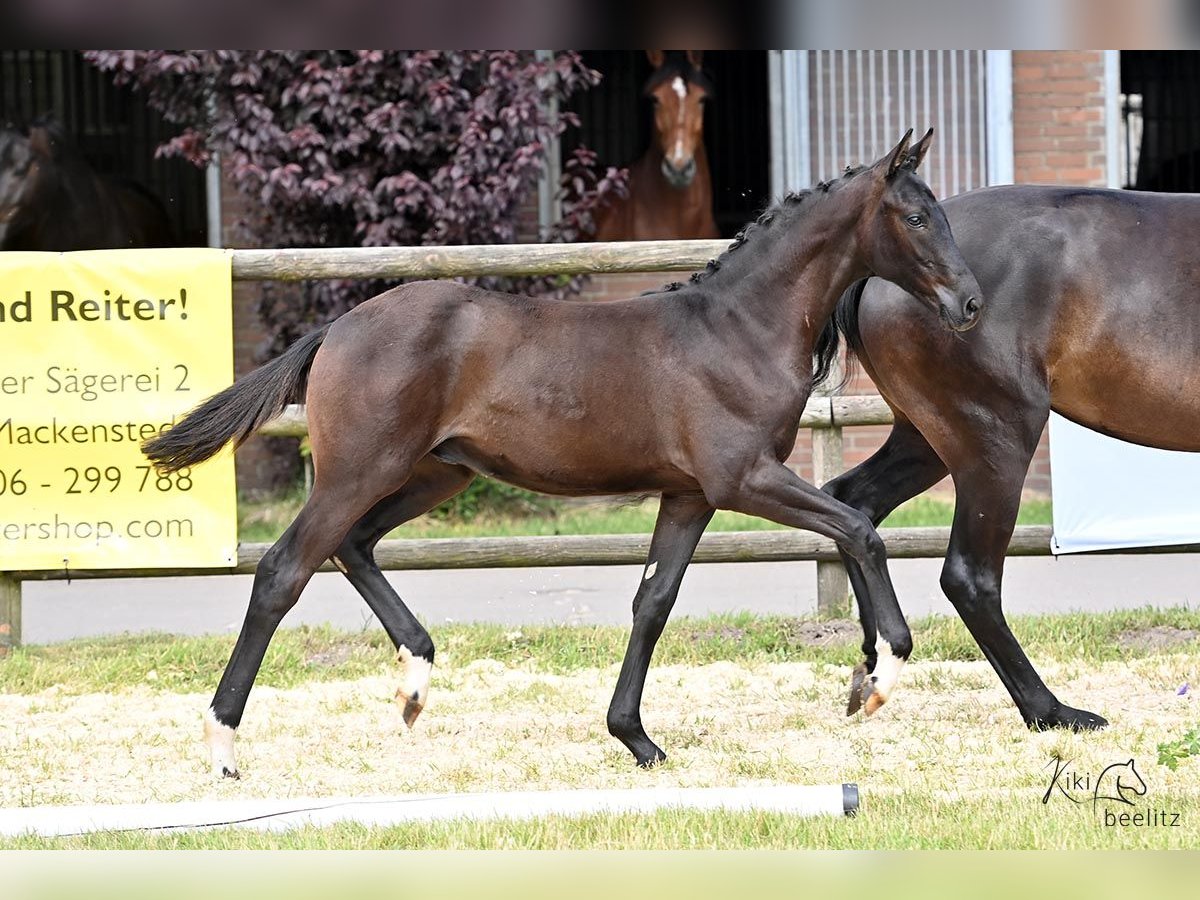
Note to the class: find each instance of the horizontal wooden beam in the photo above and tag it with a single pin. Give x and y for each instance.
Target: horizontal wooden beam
(299, 264)
(819, 412)
(597, 550)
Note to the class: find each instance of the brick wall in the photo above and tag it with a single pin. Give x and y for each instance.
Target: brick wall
(1058, 117)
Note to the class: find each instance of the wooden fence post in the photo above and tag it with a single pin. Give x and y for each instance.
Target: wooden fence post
(10, 614)
(833, 587)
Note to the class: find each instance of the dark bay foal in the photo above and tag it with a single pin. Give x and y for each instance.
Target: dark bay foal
(694, 392)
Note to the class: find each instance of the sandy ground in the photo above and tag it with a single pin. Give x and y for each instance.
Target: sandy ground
(950, 731)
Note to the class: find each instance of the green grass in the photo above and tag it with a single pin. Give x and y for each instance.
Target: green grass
(265, 520)
(296, 656)
(896, 821)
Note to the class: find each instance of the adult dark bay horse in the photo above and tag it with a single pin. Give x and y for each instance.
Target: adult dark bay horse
(670, 189)
(1092, 311)
(51, 199)
(694, 392)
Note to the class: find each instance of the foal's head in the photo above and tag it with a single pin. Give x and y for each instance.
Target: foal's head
(678, 90)
(905, 238)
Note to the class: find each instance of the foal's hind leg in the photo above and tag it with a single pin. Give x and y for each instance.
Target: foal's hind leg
(681, 521)
(280, 577)
(902, 468)
(771, 490)
(431, 483)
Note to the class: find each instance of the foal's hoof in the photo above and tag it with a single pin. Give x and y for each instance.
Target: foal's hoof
(1068, 717)
(235, 774)
(410, 707)
(858, 678)
(414, 684)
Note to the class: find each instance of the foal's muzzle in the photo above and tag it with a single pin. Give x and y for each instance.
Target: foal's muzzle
(960, 311)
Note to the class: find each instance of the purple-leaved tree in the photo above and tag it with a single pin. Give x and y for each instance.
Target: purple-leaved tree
(345, 148)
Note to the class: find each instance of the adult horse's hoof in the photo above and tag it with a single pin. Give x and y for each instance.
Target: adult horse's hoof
(858, 679)
(651, 759)
(1068, 717)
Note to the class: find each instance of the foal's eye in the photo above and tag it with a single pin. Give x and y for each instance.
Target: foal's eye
(915, 221)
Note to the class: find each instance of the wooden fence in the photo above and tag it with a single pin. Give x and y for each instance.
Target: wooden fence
(826, 414)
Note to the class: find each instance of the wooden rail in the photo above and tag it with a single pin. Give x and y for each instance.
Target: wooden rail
(451, 262)
(594, 550)
(819, 412)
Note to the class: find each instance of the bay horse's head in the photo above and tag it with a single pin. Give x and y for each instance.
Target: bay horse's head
(678, 89)
(23, 153)
(906, 239)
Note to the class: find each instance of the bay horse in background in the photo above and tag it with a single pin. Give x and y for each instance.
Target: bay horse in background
(1093, 311)
(413, 393)
(51, 199)
(669, 193)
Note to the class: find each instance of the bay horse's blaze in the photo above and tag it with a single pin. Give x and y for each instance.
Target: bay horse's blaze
(670, 188)
(1093, 312)
(51, 199)
(694, 393)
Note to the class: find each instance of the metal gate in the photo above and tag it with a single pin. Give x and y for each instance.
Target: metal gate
(843, 107)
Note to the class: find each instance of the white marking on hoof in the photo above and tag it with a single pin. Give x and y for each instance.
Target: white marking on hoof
(884, 676)
(219, 739)
(650, 570)
(413, 692)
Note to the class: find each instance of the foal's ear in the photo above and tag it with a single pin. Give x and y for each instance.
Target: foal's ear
(656, 58)
(917, 153)
(899, 154)
(695, 57)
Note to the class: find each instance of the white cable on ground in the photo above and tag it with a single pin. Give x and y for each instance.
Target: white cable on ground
(282, 815)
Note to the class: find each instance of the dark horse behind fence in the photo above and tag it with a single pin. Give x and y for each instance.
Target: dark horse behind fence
(694, 392)
(51, 199)
(1093, 311)
(670, 186)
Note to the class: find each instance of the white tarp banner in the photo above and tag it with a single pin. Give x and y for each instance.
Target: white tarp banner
(1109, 494)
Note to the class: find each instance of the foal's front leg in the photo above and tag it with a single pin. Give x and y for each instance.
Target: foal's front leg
(769, 489)
(681, 521)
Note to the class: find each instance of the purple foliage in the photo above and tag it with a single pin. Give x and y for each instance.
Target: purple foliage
(345, 148)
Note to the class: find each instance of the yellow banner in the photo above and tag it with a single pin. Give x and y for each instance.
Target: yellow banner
(100, 350)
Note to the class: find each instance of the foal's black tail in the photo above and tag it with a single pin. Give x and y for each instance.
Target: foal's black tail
(844, 321)
(238, 411)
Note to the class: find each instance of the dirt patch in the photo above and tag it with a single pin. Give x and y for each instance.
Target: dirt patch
(823, 634)
(1157, 639)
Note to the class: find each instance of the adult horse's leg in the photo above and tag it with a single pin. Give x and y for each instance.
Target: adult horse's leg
(431, 483)
(681, 521)
(988, 498)
(771, 490)
(280, 577)
(902, 468)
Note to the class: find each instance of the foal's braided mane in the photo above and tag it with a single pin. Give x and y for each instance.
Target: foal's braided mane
(776, 212)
